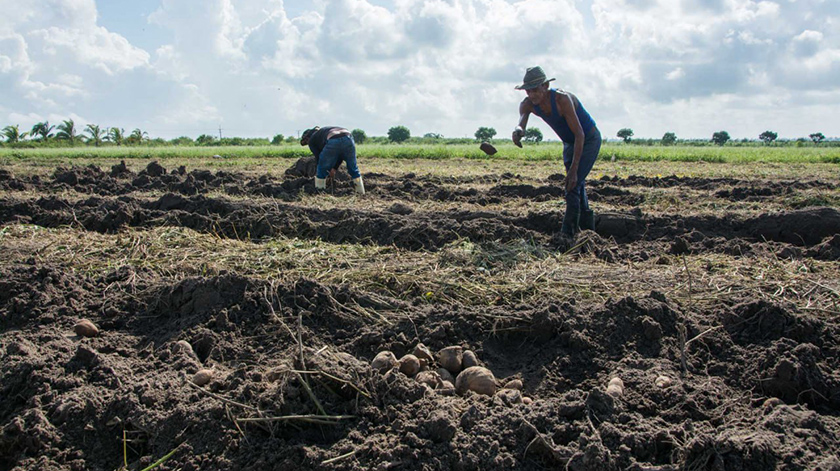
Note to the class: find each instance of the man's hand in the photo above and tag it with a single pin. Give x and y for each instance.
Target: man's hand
(518, 134)
(331, 178)
(571, 179)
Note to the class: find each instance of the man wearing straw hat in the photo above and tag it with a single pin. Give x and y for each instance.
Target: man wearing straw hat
(331, 145)
(581, 142)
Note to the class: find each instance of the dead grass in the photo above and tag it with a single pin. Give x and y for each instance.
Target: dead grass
(463, 272)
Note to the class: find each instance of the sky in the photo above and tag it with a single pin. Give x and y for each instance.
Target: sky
(257, 68)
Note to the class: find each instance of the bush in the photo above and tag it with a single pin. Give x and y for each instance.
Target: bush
(399, 134)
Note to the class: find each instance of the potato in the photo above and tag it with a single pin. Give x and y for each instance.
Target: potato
(514, 384)
(409, 365)
(527, 401)
(182, 347)
(662, 381)
(477, 379)
(451, 359)
(615, 388)
(202, 377)
(429, 378)
(468, 359)
(445, 375)
(86, 328)
(422, 352)
(384, 361)
(446, 388)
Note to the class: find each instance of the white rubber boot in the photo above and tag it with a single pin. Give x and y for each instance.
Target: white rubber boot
(320, 183)
(359, 185)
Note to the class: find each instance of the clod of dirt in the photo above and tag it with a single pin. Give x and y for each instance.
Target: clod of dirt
(202, 377)
(451, 358)
(401, 209)
(384, 361)
(155, 169)
(120, 170)
(409, 365)
(303, 167)
(86, 328)
(510, 397)
(468, 359)
(513, 384)
(615, 388)
(441, 426)
(477, 379)
(680, 246)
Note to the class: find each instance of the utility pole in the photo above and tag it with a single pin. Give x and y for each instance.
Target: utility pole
(220, 132)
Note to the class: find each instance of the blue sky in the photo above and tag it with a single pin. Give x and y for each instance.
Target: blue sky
(257, 68)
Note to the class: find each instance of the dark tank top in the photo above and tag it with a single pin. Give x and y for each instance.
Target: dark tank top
(558, 122)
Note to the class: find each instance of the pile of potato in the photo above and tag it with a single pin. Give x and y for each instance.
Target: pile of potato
(453, 371)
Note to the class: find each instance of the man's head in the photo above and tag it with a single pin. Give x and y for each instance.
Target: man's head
(304, 139)
(534, 78)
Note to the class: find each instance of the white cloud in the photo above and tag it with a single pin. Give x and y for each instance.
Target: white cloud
(261, 67)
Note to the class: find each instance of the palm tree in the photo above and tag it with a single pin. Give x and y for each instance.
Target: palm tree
(67, 130)
(116, 135)
(42, 129)
(96, 134)
(13, 134)
(137, 136)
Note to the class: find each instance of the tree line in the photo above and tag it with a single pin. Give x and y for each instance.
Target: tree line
(66, 133)
(719, 138)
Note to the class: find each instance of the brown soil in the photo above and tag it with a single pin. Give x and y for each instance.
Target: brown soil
(756, 386)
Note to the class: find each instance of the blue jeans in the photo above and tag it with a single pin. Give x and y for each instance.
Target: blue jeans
(576, 199)
(336, 150)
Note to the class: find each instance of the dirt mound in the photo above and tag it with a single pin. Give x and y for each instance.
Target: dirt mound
(303, 167)
(291, 383)
(802, 227)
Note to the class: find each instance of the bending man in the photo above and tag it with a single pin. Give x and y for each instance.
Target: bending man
(581, 142)
(331, 145)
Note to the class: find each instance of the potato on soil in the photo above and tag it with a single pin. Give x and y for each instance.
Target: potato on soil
(513, 384)
(446, 388)
(477, 379)
(429, 378)
(615, 388)
(451, 358)
(469, 359)
(384, 361)
(86, 328)
(182, 347)
(422, 352)
(202, 377)
(445, 375)
(662, 381)
(409, 365)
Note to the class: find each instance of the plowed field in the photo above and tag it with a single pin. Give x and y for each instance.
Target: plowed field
(711, 291)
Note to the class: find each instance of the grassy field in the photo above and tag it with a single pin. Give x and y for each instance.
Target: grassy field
(507, 151)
